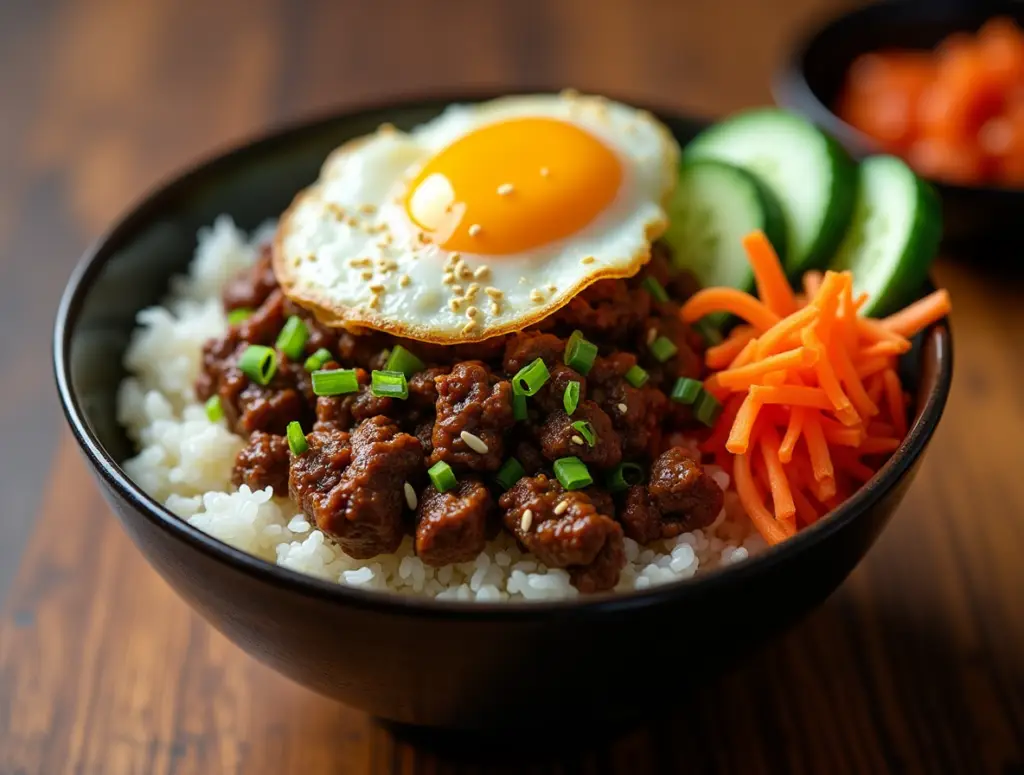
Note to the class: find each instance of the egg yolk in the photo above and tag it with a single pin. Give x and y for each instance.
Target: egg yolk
(514, 185)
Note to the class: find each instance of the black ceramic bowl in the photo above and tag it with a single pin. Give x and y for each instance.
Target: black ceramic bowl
(412, 660)
(981, 218)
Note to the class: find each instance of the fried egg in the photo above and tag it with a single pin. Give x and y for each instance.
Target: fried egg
(480, 222)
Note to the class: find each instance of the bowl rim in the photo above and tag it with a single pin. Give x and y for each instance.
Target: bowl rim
(790, 89)
(149, 206)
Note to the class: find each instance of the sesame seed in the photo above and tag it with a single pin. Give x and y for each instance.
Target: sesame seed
(474, 442)
(472, 312)
(423, 238)
(544, 172)
(448, 278)
(469, 327)
(357, 263)
(652, 334)
(386, 129)
(404, 280)
(552, 287)
(465, 273)
(505, 189)
(587, 260)
(494, 293)
(482, 272)
(569, 94)
(368, 209)
(454, 304)
(410, 496)
(576, 440)
(536, 296)
(374, 302)
(458, 290)
(526, 521)
(386, 265)
(454, 257)
(474, 229)
(472, 291)
(367, 274)
(495, 308)
(376, 288)
(561, 508)
(352, 221)
(622, 408)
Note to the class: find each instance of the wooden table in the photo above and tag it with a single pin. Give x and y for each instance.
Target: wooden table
(915, 665)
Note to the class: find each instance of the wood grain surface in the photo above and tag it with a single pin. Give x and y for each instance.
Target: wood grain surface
(915, 666)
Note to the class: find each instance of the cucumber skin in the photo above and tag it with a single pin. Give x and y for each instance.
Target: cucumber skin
(843, 187)
(926, 233)
(774, 225)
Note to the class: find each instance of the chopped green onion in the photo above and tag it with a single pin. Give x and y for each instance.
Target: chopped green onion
(571, 397)
(586, 430)
(214, 410)
(656, 289)
(511, 471)
(293, 337)
(236, 316)
(336, 382)
(624, 476)
(318, 359)
(296, 438)
(707, 408)
(572, 473)
(442, 476)
(663, 348)
(709, 332)
(531, 378)
(404, 361)
(389, 383)
(579, 353)
(686, 390)
(258, 363)
(637, 377)
(518, 404)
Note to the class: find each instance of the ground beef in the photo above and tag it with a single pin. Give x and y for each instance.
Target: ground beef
(452, 526)
(263, 325)
(249, 406)
(575, 535)
(360, 507)
(263, 462)
(251, 287)
(607, 311)
(344, 411)
(529, 456)
(523, 349)
(471, 399)
(687, 497)
(558, 438)
(636, 413)
(640, 519)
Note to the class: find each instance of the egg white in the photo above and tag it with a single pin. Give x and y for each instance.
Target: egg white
(347, 250)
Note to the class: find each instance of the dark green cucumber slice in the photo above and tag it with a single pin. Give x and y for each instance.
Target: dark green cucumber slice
(810, 175)
(714, 206)
(893, 236)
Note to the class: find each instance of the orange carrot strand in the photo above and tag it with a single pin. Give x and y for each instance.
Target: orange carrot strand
(793, 430)
(770, 529)
(709, 300)
(719, 356)
(743, 426)
(782, 498)
(772, 285)
(817, 448)
(744, 376)
(918, 316)
(894, 402)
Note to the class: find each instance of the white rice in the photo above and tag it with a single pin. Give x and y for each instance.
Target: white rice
(185, 461)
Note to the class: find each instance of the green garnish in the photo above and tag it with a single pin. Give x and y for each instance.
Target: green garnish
(579, 353)
(518, 404)
(571, 397)
(214, 411)
(389, 383)
(663, 348)
(531, 378)
(511, 471)
(239, 315)
(404, 361)
(686, 390)
(318, 359)
(335, 382)
(707, 408)
(624, 476)
(296, 438)
(292, 338)
(258, 363)
(572, 473)
(586, 430)
(442, 476)
(637, 377)
(656, 289)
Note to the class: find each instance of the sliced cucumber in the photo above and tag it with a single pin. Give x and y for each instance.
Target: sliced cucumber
(893, 236)
(812, 178)
(714, 206)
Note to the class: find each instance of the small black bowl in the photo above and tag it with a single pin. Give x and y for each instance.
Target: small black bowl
(979, 220)
(420, 661)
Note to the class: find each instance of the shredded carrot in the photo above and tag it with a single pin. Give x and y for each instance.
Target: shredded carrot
(809, 383)
(719, 356)
(771, 529)
(742, 305)
(919, 315)
(772, 285)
